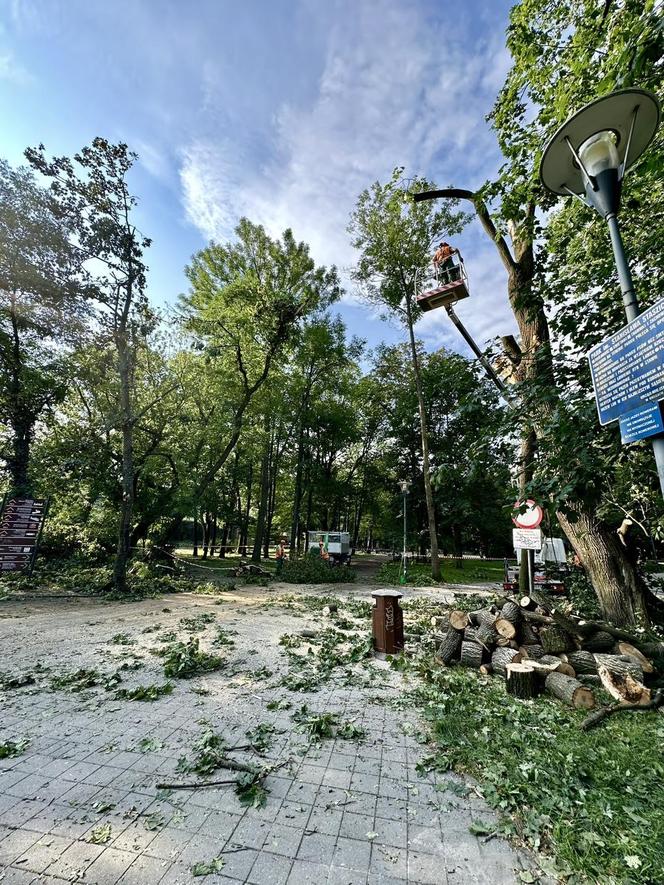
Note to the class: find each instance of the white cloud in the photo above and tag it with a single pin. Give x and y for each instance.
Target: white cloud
(13, 71)
(393, 91)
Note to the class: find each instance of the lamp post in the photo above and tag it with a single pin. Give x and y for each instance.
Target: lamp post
(587, 159)
(404, 485)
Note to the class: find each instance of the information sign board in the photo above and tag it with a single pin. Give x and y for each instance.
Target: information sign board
(641, 423)
(527, 539)
(21, 523)
(628, 367)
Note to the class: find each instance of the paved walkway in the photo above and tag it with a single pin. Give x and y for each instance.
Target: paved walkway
(81, 802)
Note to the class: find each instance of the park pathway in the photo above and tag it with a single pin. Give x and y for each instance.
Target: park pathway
(81, 802)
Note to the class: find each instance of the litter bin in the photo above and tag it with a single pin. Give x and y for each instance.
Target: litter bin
(387, 623)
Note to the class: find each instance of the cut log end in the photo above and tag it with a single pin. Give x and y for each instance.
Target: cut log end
(458, 619)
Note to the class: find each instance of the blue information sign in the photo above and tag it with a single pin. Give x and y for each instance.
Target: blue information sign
(628, 367)
(641, 423)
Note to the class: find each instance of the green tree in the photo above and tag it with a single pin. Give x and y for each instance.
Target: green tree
(42, 307)
(92, 192)
(394, 237)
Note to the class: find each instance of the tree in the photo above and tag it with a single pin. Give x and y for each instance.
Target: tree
(247, 302)
(395, 237)
(42, 306)
(563, 55)
(92, 193)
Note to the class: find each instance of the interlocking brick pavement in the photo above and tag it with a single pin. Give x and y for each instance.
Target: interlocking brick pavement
(342, 812)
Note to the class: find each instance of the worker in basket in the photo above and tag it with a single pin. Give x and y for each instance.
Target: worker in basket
(444, 266)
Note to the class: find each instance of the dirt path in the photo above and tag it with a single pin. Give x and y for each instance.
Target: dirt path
(81, 800)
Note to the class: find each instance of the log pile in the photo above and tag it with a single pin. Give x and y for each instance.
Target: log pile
(536, 648)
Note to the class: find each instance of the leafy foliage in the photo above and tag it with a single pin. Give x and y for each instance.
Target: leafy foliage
(312, 569)
(209, 751)
(208, 867)
(10, 749)
(145, 692)
(183, 660)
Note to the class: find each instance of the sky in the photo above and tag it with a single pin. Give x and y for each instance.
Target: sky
(280, 110)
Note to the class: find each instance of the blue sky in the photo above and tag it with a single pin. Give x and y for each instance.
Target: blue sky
(281, 110)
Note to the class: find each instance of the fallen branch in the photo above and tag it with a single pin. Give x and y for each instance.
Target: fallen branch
(599, 715)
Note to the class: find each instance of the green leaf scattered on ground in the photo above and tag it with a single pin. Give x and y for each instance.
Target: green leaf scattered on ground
(144, 692)
(100, 835)
(9, 749)
(207, 867)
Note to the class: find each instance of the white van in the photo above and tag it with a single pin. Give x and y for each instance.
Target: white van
(338, 544)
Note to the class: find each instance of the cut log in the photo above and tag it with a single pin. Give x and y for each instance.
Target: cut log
(470, 634)
(624, 688)
(450, 646)
(511, 612)
(486, 634)
(502, 642)
(521, 681)
(502, 657)
(458, 619)
(505, 628)
(582, 661)
(441, 621)
(591, 679)
(528, 603)
(554, 640)
(486, 669)
(570, 691)
(471, 654)
(532, 652)
(561, 666)
(620, 665)
(528, 634)
(600, 641)
(626, 648)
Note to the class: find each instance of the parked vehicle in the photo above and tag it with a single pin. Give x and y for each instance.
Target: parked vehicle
(337, 545)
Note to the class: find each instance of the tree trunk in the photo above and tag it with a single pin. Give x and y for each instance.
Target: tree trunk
(224, 541)
(263, 499)
(622, 593)
(471, 654)
(458, 545)
(194, 551)
(450, 646)
(21, 420)
(431, 510)
(570, 691)
(502, 657)
(127, 428)
(521, 681)
(297, 494)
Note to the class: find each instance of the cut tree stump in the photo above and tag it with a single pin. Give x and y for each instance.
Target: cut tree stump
(502, 657)
(555, 640)
(458, 619)
(570, 691)
(505, 628)
(528, 603)
(626, 648)
(521, 681)
(600, 641)
(450, 646)
(471, 654)
(582, 661)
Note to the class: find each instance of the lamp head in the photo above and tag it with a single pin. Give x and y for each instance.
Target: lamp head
(404, 485)
(591, 151)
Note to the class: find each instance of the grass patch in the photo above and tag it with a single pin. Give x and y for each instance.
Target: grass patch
(183, 660)
(594, 800)
(474, 571)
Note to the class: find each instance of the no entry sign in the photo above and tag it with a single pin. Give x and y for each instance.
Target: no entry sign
(530, 518)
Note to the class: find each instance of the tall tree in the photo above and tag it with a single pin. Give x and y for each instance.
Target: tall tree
(92, 192)
(395, 238)
(42, 305)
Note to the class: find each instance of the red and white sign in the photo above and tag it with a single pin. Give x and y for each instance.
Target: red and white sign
(530, 518)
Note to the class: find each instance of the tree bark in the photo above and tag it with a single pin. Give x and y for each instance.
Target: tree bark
(521, 681)
(570, 691)
(263, 499)
(471, 654)
(127, 429)
(450, 646)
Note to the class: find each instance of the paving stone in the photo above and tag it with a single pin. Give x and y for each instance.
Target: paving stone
(282, 840)
(110, 866)
(74, 860)
(352, 853)
(305, 873)
(145, 870)
(238, 865)
(42, 854)
(317, 847)
(15, 845)
(270, 869)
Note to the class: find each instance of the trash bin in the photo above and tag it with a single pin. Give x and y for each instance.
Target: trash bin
(387, 623)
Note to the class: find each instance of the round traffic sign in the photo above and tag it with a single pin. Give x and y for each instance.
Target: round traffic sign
(530, 518)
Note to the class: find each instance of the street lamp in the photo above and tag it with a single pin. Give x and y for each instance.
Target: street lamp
(587, 158)
(404, 485)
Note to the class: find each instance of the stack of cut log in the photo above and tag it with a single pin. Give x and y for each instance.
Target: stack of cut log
(536, 648)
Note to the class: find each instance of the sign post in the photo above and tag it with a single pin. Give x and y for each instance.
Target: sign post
(527, 535)
(627, 369)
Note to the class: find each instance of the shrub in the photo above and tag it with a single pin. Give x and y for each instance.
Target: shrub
(311, 569)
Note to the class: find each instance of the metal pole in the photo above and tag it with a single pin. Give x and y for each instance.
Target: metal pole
(465, 334)
(404, 536)
(632, 311)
